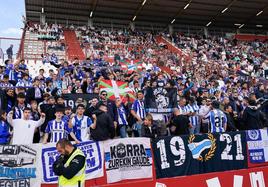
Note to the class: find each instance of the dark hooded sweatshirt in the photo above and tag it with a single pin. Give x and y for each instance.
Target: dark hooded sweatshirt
(253, 118)
(104, 127)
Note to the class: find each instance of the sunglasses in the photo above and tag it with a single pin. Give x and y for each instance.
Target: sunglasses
(104, 94)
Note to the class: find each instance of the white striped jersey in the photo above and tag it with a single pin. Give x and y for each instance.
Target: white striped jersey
(217, 120)
(6, 85)
(23, 83)
(57, 130)
(81, 127)
(212, 90)
(182, 109)
(193, 108)
(138, 107)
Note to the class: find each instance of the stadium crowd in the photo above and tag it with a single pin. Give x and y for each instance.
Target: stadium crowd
(222, 88)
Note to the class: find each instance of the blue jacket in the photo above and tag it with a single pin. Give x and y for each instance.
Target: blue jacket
(4, 133)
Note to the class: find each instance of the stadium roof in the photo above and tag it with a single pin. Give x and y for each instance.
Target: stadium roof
(154, 14)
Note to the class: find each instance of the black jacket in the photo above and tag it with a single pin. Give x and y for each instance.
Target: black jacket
(90, 110)
(253, 118)
(75, 165)
(230, 122)
(181, 122)
(111, 107)
(146, 132)
(104, 127)
(261, 94)
(3, 100)
(30, 95)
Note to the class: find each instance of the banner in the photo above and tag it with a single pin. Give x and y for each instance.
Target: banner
(18, 165)
(160, 99)
(128, 158)
(196, 154)
(116, 89)
(73, 100)
(94, 160)
(257, 141)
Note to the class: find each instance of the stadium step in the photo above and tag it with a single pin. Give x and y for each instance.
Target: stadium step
(74, 49)
(172, 47)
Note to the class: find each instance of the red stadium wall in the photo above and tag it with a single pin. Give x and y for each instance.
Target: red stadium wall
(248, 177)
(226, 179)
(250, 37)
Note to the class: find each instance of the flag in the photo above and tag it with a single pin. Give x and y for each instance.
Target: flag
(131, 65)
(116, 89)
(257, 141)
(160, 99)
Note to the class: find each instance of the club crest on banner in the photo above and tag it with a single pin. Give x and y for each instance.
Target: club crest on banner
(128, 158)
(198, 149)
(253, 134)
(131, 155)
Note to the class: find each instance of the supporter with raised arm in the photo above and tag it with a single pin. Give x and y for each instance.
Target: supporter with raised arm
(58, 129)
(103, 127)
(180, 124)
(23, 128)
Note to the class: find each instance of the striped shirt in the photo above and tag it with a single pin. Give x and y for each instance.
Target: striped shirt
(217, 120)
(18, 111)
(57, 130)
(5, 86)
(11, 73)
(121, 116)
(194, 109)
(183, 109)
(23, 83)
(81, 127)
(212, 90)
(138, 107)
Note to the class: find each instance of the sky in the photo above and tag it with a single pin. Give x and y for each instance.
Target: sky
(11, 22)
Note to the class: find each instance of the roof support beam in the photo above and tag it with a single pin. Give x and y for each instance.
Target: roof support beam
(139, 9)
(221, 12)
(173, 19)
(254, 16)
(93, 8)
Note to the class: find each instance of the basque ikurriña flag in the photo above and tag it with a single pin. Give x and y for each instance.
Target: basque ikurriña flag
(131, 65)
(116, 89)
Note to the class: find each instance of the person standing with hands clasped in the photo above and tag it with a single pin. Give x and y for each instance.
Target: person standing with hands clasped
(70, 166)
(138, 112)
